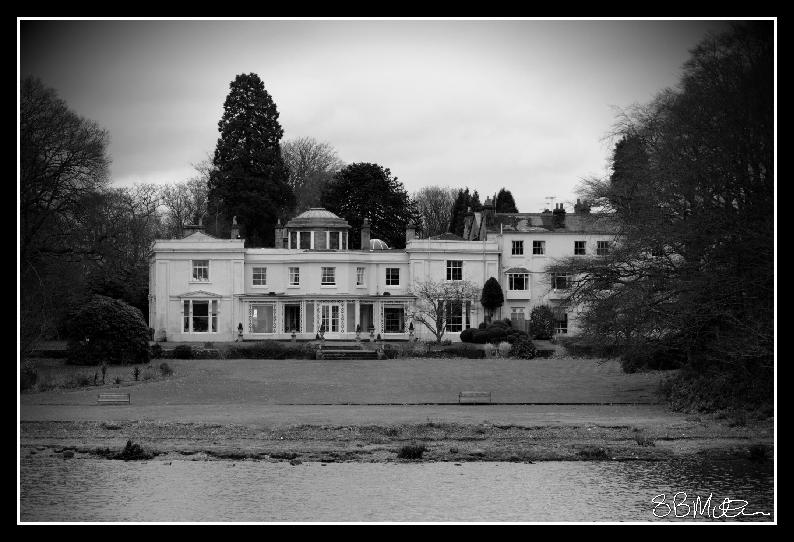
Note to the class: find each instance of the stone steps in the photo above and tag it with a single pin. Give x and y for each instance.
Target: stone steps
(338, 354)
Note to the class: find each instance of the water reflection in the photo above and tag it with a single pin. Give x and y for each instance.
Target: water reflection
(87, 489)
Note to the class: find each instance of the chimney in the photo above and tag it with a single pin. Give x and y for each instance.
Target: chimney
(278, 239)
(410, 232)
(365, 235)
(558, 218)
(581, 207)
(235, 229)
(190, 229)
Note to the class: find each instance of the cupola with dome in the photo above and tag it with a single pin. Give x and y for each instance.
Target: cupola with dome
(315, 229)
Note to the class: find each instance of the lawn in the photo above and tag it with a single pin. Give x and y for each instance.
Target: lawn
(318, 382)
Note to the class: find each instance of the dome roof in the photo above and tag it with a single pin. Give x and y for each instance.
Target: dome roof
(317, 212)
(377, 244)
(317, 217)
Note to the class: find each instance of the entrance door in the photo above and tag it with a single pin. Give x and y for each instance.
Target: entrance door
(330, 319)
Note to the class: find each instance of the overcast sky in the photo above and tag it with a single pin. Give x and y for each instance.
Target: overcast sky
(524, 105)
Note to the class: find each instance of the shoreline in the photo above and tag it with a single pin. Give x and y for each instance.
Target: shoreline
(443, 441)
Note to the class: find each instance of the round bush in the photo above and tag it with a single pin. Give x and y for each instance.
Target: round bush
(467, 335)
(107, 330)
(523, 349)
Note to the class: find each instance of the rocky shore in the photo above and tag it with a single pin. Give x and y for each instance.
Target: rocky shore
(455, 442)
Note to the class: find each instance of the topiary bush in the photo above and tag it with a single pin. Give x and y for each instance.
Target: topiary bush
(107, 330)
(494, 333)
(541, 322)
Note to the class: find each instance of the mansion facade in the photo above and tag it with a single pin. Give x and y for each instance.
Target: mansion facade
(207, 289)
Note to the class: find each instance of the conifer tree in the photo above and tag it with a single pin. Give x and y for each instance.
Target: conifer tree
(250, 177)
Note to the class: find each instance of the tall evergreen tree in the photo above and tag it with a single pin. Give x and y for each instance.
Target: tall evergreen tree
(492, 297)
(459, 210)
(250, 180)
(365, 190)
(474, 202)
(504, 202)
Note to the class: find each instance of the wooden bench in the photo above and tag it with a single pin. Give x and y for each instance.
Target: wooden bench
(113, 398)
(474, 397)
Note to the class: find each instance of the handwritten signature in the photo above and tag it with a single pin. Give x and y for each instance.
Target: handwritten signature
(680, 507)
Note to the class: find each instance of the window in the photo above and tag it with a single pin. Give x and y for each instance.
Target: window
(306, 239)
(454, 313)
(260, 276)
(518, 248)
(334, 242)
(294, 276)
(561, 323)
(518, 281)
(360, 276)
(293, 239)
(201, 270)
(329, 317)
(328, 276)
(392, 276)
(603, 248)
(320, 238)
(393, 320)
(262, 320)
(200, 316)
(538, 247)
(561, 282)
(292, 318)
(454, 270)
(578, 248)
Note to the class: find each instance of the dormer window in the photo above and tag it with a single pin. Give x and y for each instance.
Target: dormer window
(333, 242)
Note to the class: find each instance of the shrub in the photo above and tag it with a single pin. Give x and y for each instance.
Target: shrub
(467, 335)
(156, 351)
(504, 348)
(411, 451)
(523, 349)
(464, 351)
(497, 332)
(182, 351)
(490, 351)
(136, 373)
(541, 322)
(166, 369)
(109, 330)
(270, 350)
(482, 325)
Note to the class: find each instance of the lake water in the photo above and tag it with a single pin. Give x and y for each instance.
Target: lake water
(91, 489)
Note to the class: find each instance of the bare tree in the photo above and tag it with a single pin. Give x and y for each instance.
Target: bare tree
(311, 164)
(434, 299)
(186, 202)
(435, 208)
(62, 159)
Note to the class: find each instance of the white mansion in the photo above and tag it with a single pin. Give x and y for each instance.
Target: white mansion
(207, 289)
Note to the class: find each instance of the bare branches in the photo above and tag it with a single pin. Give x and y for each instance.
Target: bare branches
(434, 204)
(434, 300)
